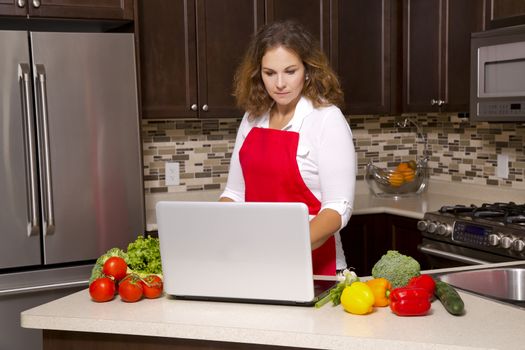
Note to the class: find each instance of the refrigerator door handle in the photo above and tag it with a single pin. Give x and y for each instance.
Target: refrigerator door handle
(45, 287)
(42, 118)
(24, 78)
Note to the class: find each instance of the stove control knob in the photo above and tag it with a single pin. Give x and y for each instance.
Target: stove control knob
(506, 242)
(494, 239)
(432, 226)
(518, 245)
(422, 225)
(444, 229)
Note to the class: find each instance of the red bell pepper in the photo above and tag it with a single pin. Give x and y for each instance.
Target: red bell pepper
(409, 301)
(425, 282)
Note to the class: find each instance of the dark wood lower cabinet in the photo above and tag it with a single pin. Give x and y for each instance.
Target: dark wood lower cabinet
(367, 237)
(62, 340)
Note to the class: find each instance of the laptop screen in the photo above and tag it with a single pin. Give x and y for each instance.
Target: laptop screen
(238, 251)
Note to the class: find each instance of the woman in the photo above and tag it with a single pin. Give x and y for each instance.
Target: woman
(294, 144)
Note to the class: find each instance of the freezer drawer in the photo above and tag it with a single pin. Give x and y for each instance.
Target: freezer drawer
(22, 291)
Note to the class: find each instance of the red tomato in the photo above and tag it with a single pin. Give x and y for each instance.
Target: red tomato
(102, 289)
(130, 289)
(152, 286)
(115, 267)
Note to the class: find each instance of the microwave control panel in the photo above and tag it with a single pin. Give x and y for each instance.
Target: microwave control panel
(501, 108)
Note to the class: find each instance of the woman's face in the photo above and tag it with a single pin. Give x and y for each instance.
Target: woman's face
(283, 75)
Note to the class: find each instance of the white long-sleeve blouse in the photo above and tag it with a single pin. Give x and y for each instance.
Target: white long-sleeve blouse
(325, 157)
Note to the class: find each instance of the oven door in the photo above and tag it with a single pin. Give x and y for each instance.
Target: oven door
(440, 255)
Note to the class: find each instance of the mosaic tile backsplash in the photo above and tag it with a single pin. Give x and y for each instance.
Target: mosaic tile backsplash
(458, 150)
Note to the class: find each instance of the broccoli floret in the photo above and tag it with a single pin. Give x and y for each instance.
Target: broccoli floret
(396, 268)
(96, 272)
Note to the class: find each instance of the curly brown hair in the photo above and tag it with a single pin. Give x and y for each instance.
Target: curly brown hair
(322, 87)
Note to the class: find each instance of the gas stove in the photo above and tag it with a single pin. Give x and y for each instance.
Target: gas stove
(497, 228)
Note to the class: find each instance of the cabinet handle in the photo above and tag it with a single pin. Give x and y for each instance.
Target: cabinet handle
(21, 3)
(439, 103)
(205, 108)
(45, 287)
(194, 107)
(36, 3)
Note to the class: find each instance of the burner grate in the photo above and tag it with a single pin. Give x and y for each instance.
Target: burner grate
(457, 209)
(517, 219)
(507, 212)
(503, 213)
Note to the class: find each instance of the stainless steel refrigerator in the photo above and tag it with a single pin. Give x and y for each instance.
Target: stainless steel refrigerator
(70, 164)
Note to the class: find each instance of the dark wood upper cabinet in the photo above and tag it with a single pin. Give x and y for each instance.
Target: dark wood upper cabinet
(313, 14)
(167, 58)
(221, 44)
(188, 53)
(70, 9)
(504, 13)
(366, 54)
(12, 8)
(436, 53)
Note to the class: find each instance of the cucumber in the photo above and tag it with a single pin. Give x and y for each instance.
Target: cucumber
(450, 298)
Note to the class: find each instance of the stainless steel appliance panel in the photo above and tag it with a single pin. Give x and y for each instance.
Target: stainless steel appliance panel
(20, 242)
(90, 154)
(497, 60)
(24, 290)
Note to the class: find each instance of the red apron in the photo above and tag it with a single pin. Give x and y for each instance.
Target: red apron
(271, 174)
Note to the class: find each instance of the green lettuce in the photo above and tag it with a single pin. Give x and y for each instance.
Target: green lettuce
(143, 256)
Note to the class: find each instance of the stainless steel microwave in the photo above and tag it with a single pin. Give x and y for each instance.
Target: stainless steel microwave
(497, 87)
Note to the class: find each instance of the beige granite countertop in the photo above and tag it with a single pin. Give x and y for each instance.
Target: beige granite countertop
(439, 193)
(485, 325)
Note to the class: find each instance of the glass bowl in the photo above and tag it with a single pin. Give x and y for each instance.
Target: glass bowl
(405, 179)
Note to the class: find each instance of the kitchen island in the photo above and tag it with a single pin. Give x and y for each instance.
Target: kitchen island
(77, 322)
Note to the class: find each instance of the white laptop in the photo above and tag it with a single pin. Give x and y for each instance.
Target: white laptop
(251, 252)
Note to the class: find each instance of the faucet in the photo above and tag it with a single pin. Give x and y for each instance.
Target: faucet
(407, 123)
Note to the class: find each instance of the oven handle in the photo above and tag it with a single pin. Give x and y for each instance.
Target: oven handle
(451, 256)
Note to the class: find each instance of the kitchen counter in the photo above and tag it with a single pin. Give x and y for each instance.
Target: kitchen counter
(485, 325)
(439, 193)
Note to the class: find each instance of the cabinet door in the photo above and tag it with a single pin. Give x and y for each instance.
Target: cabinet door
(13, 8)
(463, 17)
(167, 58)
(92, 9)
(313, 14)
(366, 50)
(406, 237)
(504, 13)
(422, 54)
(436, 53)
(365, 239)
(222, 40)
(353, 241)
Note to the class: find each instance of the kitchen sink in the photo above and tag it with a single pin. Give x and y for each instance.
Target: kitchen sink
(503, 284)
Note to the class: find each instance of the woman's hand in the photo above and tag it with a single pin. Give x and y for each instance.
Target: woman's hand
(324, 225)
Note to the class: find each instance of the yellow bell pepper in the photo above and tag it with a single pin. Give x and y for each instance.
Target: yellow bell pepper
(357, 298)
(381, 289)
